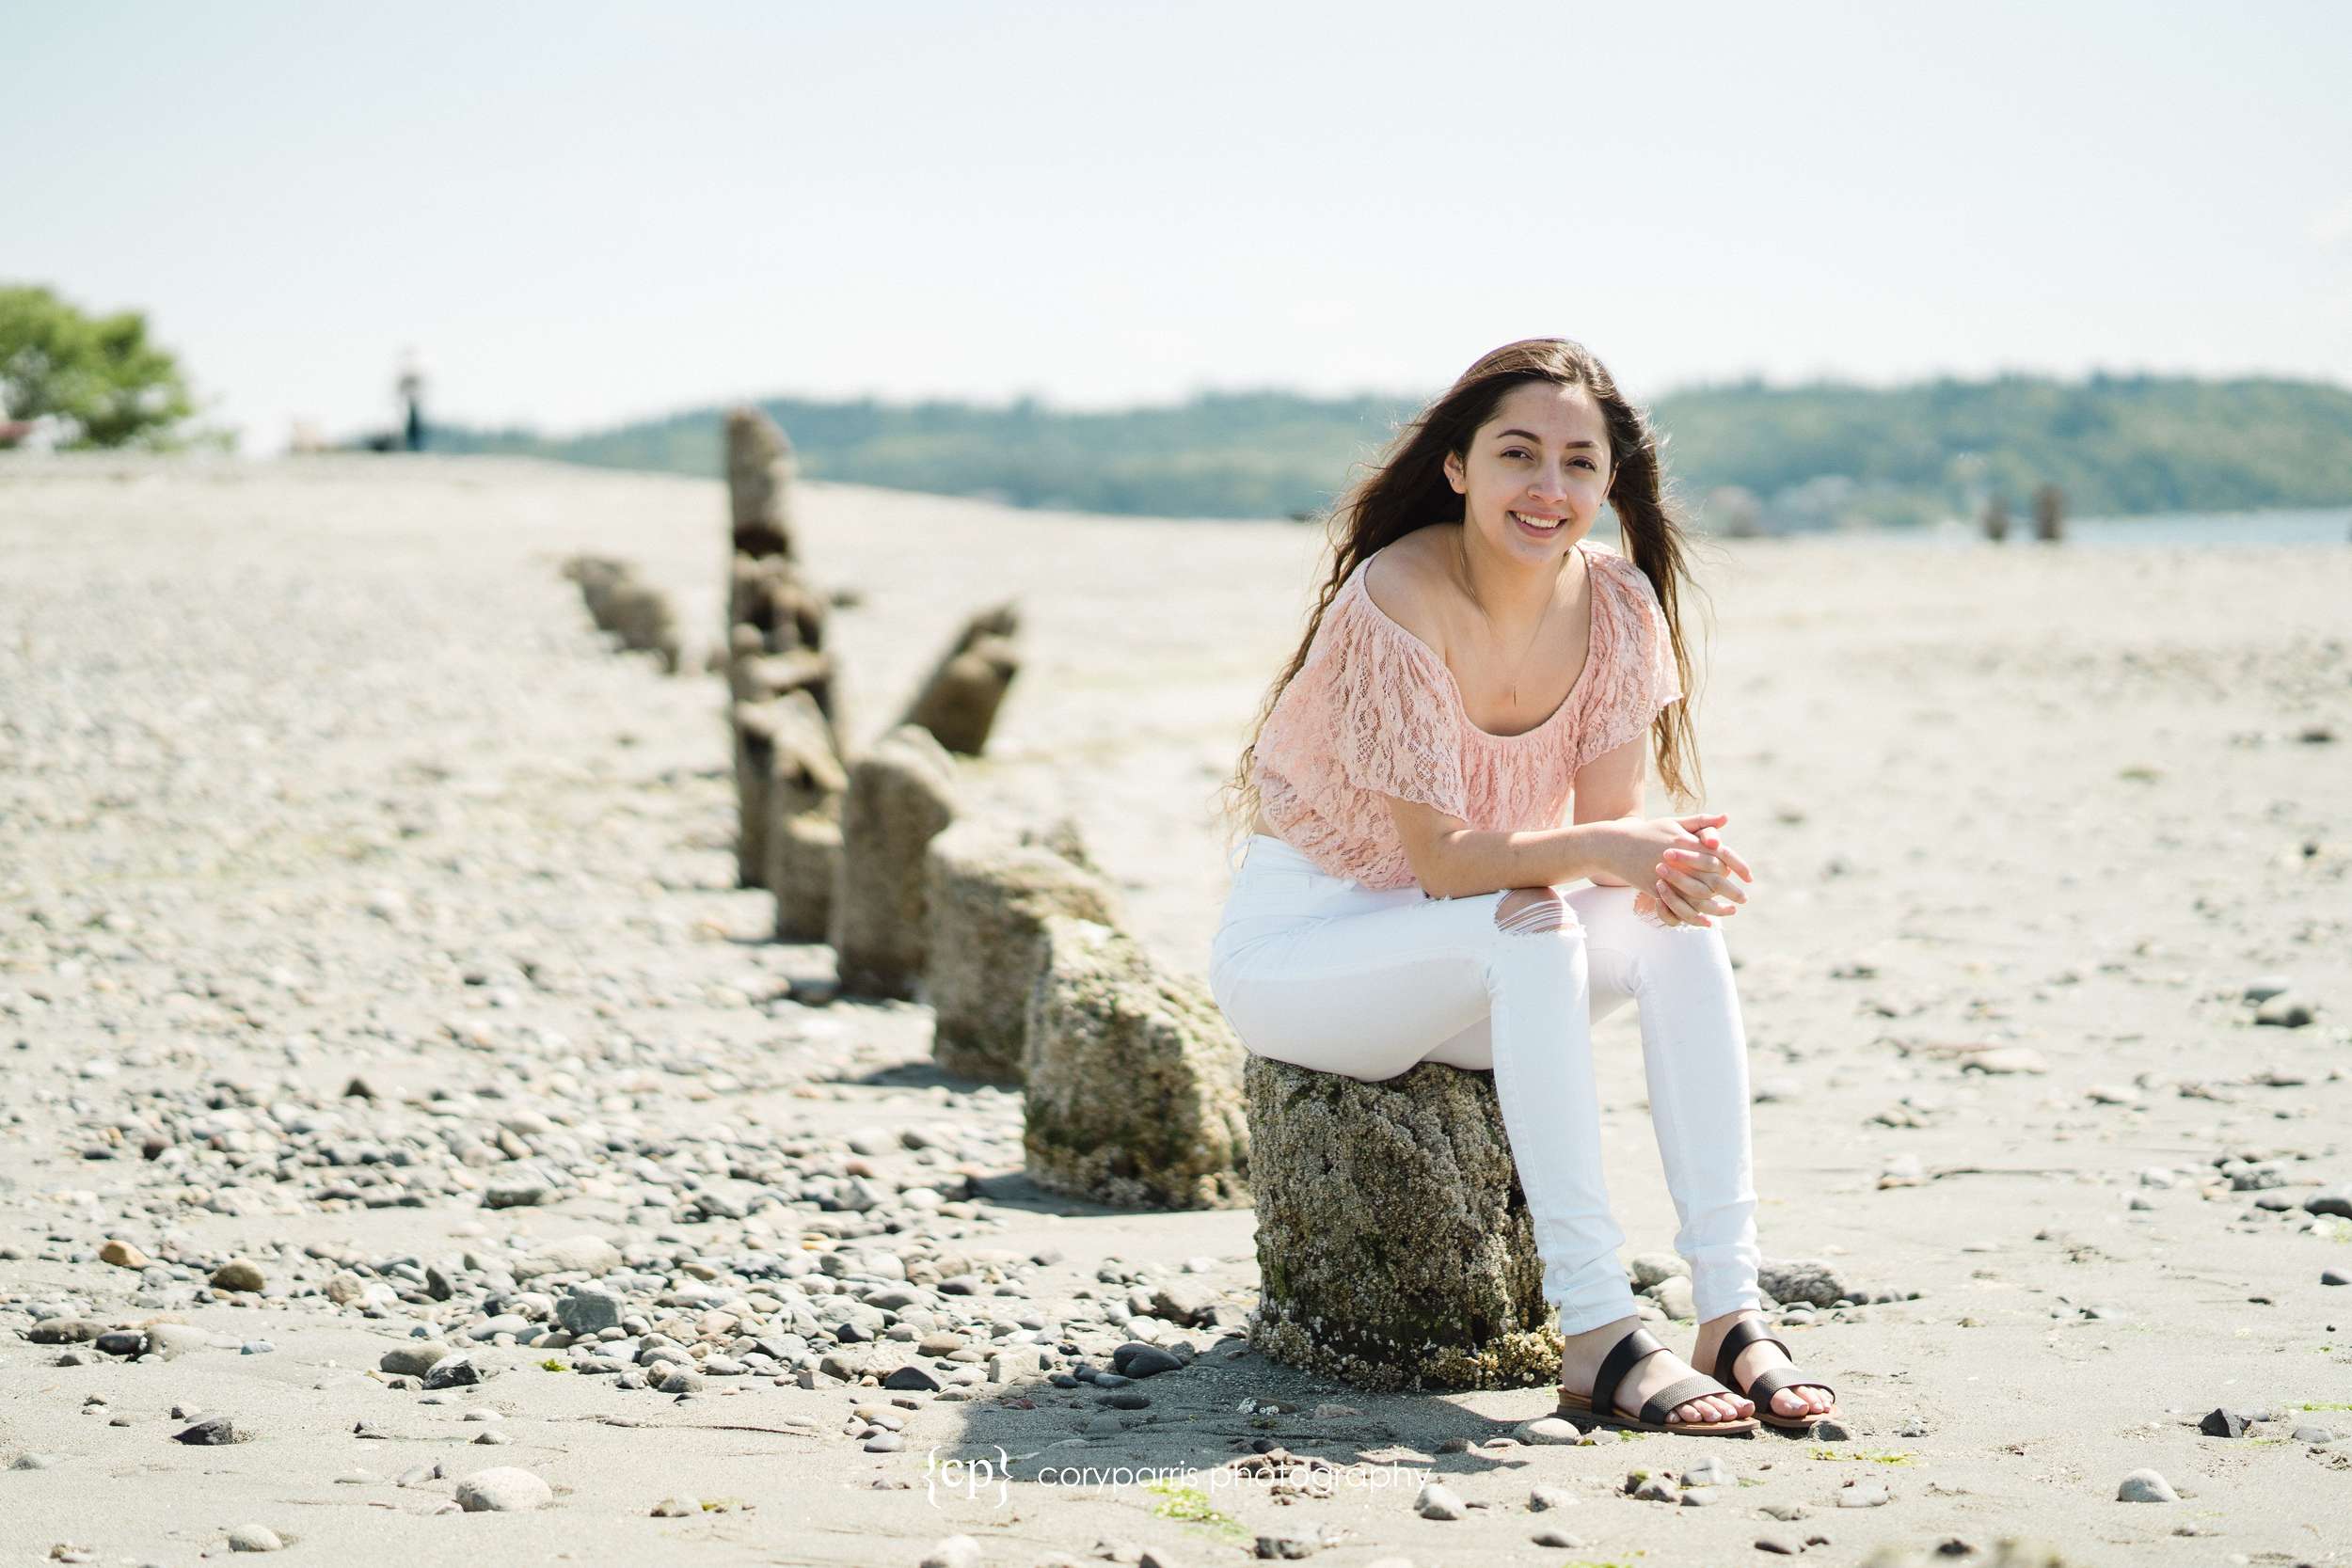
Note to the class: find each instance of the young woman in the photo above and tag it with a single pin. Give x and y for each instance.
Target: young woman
(1474, 664)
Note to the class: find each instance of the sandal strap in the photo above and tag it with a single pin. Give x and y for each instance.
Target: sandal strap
(1660, 1406)
(1637, 1344)
(1739, 1337)
(1772, 1380)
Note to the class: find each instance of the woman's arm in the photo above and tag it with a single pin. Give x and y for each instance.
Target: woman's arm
(1609, 789)
(1453, 859)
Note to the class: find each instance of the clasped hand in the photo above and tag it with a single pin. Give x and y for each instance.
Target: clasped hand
(1694, 877)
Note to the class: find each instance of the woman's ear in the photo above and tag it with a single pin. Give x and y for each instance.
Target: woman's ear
(1454, 475)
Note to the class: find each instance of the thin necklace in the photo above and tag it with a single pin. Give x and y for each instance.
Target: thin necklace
(1463, 552)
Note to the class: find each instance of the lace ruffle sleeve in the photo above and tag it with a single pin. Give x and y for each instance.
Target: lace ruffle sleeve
(1394, 727)
(1641, 679)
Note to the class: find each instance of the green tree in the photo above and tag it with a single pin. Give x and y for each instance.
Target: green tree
(99, 374)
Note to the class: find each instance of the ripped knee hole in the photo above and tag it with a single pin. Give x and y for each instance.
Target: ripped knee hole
(1531, 908)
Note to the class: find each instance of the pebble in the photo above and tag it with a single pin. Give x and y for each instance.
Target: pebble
(955, 1551)
(255, 1538)
(1548, 1429)
(239, 1273)
(211, 1430)
(1865, 1493)
(1543, 1497)
(678, 1508)
(504, 1489)
(453, 1371)
(2146, 1486)
(1437, 1502)
(413, 1358)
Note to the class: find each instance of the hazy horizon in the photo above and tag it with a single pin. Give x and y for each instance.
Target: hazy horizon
(629, 213)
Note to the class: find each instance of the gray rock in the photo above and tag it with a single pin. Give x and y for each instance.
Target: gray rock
(902, 795)
(1804, 1279)
(1710, 1471)
(1134, 1079)
(64, 1331)
(1185, 1300)
(1548, 1429)
(171, 1340)
(1648, 1268)
(516, 1190)
(1672, 1296)
(2313, 1435)
(1393, 1239)
(986, 898)
(35, 1462)
(1139, 1360)
(210, 1432)
(413, 1358)
(503, 1489)
(2146, 1486)
(254, 1538)
(955, 1551)
(451, 1371)
(679, 1508)
(959, 700)
(1541, 1497)
(1558, 1539)
(2284, 1012)
(238, 1274)
(589, 1309)
(2334, 1200)
(1437, 1502)
(2224, 1423)
(1785, 1543)
(589, 1255)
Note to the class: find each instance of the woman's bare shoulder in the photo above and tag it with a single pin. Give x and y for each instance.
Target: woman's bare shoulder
(1405, 581)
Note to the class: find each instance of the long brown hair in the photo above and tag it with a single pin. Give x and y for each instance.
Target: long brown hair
(1408, 490)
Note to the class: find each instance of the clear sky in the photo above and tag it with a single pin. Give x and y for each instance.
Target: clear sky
(579, 214)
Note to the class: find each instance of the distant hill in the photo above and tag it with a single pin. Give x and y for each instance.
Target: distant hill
(1820, 455)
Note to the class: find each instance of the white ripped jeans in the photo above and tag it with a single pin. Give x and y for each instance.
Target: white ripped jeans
(1324, 972)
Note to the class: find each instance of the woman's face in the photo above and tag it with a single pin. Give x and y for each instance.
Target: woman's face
(1543, 457)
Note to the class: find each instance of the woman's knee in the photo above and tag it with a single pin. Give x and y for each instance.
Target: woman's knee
(1523, 911)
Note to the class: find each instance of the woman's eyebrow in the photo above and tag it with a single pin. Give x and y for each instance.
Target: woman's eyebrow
(1533, 437)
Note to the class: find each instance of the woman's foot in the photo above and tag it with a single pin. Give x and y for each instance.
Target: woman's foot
(1796, 1401)
(1582, 1354)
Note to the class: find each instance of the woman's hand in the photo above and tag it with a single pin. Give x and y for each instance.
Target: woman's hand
(1694, 880)
(1629, 848)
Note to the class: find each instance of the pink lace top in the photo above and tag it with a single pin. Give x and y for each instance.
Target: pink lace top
(1374, 711)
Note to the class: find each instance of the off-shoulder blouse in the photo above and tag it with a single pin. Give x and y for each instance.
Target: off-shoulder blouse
(1373, 710)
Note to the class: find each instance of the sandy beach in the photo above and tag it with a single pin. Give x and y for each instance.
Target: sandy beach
(314, 771)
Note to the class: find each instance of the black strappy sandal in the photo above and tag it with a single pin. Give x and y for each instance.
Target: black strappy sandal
(1772, 1380)
(1599, 1407)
